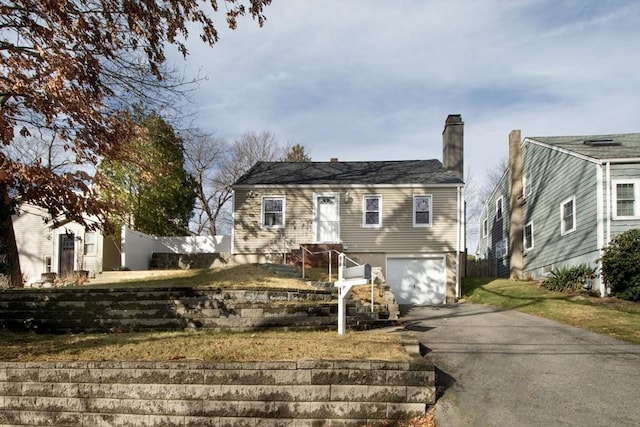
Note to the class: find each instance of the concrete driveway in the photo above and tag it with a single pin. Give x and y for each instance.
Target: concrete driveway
(504, 368)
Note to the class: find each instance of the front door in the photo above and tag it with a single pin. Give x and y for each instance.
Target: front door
(327, 218)
(67, 251)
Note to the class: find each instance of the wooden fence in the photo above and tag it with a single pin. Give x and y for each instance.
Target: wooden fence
(482, 268)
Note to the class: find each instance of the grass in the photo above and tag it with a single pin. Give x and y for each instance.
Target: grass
(202, 346)
(238, 276)
(610, 316)
(206, 345)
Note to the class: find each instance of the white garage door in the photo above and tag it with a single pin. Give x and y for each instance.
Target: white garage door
(417, 280)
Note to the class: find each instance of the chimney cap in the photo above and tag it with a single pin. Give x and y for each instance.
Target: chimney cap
(454, 119)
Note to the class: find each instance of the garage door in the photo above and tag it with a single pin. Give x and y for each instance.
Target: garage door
(417, 280)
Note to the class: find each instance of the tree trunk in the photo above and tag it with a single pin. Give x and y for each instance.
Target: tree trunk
(8, 240)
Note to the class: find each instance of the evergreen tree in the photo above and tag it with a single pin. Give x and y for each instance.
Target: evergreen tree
(297, 154)
(153, 193)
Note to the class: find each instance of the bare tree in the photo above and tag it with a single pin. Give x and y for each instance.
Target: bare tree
(204, 156)
(61, 71)
(216, 165)
(477, 193)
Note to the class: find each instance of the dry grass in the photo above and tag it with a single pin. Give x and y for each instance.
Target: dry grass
(237, 276)
(202, 345)
(609, 316)
(206, 345)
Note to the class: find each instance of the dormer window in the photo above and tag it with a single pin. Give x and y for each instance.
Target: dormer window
(605, 142)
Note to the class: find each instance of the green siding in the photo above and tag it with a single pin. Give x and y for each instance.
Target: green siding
(622, 171)
(555, 177)
(497, 228)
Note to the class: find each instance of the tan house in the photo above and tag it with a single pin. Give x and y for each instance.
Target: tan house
(406, 217)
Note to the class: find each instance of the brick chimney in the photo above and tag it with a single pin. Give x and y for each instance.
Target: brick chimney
(453, 145)
(334, 160)
(515, 205)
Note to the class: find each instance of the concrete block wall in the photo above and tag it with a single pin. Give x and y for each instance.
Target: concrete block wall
(105, 310)
(303, 393)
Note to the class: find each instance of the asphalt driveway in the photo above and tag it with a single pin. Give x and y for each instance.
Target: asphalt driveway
(504, 368)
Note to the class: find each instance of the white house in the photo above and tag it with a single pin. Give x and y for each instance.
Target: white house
(62, 247)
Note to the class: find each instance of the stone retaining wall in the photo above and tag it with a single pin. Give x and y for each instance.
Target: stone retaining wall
(103, 310)
(303, 393)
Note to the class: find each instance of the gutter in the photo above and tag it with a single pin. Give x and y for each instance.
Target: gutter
(459, 231)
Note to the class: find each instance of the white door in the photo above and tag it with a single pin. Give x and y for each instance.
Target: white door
(417, 280)
(327, 218)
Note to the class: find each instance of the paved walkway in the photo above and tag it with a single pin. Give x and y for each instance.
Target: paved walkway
(504, 368)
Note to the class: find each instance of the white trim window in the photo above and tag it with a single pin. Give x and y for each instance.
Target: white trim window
(485, 228)
(568, 216)
(372, 211)
(273, 210)
(626, 196)
(526, 186)
(527, 236)
(422, 210)
(90, 243)
(502, 249)
(499, 208)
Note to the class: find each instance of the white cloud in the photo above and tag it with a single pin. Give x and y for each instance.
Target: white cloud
(374, 80)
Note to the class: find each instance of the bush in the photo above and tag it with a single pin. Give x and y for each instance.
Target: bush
(568, 279)
(621, 265)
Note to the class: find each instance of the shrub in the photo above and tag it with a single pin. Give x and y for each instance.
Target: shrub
(621, 265)
(568, 279)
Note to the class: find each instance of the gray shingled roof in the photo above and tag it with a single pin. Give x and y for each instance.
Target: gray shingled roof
(615, 146)
(345, 173)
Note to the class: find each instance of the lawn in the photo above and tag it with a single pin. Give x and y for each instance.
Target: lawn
(206, 345)
(609, 316)
(201, 346)
(237, 276)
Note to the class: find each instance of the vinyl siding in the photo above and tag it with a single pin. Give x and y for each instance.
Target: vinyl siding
(555, 177)
(37, 240)
(622, 171)
(497, 228)
(34, 240)
(397, 234)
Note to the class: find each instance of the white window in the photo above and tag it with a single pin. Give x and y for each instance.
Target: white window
(90, 243)
(526, 186)
(499, 208)
(626, 194)
(485, 227)
(528, 236)
(372, 211)
(502, 249)
(568, 216)
(273, 212)
(422, 211)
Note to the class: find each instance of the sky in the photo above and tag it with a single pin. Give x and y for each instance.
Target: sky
(376, 79)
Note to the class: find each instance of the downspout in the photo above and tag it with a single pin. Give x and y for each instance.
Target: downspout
(600, 221)
(608, 205)
(233, 221)
(607, 217)
(458, 226)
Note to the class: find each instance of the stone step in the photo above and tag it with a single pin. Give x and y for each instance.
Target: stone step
(283, 270)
